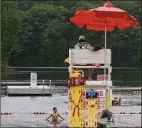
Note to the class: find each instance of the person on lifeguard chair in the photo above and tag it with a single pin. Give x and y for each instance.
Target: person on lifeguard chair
(82, 44)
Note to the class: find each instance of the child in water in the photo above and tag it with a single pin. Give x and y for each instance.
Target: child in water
(55, 116)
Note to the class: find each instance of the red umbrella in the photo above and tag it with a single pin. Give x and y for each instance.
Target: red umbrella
(104, 18)
(98, 18)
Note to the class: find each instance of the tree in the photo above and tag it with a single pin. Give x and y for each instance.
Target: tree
(47, 33)
(10, 28)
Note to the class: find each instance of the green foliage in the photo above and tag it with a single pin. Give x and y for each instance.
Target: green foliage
(10, 28)
(38, 33)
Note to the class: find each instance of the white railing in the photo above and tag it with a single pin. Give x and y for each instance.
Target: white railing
(38, 81)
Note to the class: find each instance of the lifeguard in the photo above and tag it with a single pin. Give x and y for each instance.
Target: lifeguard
(82, 44)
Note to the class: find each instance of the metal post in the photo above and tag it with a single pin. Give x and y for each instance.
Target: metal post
(105, 59)
(105, 66)
(50, 87)
(43, 87)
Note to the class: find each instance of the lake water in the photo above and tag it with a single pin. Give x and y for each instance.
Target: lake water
(21, 107)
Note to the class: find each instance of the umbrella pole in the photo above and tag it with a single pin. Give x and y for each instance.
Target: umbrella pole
(107, 107)
(105, 70)
(105, 59)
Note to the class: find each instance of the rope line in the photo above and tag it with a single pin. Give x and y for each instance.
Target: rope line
(41, 113)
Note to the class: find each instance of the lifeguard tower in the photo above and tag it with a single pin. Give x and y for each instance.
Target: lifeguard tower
(86, 59)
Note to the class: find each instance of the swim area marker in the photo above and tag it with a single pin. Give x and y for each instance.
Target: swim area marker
(41, 113)
(83, 112)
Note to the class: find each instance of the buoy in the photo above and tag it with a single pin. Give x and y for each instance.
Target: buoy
(5, 113)
(38, 113)
(137, 92)
(128, 113)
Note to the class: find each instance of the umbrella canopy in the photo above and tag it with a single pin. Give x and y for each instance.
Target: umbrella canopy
(106, 16)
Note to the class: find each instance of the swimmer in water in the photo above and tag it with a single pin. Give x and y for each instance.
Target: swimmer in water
(55, 116)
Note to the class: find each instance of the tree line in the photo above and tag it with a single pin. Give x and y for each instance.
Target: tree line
(39, 33)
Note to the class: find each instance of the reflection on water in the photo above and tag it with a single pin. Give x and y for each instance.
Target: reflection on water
(21, 107)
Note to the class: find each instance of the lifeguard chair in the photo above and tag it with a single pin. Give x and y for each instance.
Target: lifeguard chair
(86, 59)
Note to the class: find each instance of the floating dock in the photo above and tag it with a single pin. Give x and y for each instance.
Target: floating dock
(29, 91)
(32, 90)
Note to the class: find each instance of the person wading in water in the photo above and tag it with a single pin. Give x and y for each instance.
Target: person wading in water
(55, 116)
